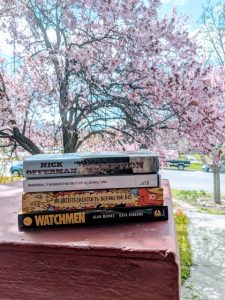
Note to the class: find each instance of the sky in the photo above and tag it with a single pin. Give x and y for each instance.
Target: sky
(191, 8)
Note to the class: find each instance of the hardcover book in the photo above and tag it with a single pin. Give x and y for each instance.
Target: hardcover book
(90, 183)
(87, 163)
(91, 217)
(95, 199)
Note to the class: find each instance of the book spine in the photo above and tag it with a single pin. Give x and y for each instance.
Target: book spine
(71, 200)
(93, 166)
(92, 217)
(90, 183)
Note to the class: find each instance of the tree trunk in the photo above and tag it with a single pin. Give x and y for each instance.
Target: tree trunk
(216, 183)
(25, 142)
(70, 139)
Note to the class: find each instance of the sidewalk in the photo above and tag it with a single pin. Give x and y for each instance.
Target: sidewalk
(207, 238)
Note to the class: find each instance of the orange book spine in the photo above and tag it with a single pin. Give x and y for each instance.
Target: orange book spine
(109, 198)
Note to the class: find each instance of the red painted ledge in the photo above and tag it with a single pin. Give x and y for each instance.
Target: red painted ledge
(126, 261)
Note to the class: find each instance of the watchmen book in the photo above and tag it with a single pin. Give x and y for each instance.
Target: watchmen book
(91, 217)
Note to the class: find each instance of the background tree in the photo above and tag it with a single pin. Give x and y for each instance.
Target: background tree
(213, 41)
(23, 117)
(112, 72)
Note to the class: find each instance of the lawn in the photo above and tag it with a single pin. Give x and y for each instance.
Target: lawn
(181, 222)
(201, 200)
(7, 179)
(195, 166)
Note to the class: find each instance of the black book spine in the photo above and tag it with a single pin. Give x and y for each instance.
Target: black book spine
(91, 217)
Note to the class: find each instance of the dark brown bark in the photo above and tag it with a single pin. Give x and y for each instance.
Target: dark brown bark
(70, 140)
(20, 139)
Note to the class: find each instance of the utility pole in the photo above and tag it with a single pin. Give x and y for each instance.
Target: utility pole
(216, 176)
(216, 183)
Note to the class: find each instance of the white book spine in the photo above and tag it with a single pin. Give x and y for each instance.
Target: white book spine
(90, 183)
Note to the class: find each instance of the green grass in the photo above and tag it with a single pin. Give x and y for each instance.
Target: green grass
(195, 166)
(7, 179)
(212, 211)
(193, 196)
(201, 200)
(190, 196)
(181, 222)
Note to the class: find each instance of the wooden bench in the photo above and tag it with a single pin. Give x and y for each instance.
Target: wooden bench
(127, 262)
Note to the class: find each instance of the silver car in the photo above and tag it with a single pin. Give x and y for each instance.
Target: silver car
(208, 168)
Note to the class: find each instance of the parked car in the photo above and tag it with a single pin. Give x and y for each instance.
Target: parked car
(16, 168)
(180, 164)
(208, 168)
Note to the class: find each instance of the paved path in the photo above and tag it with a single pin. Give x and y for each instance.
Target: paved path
(207, 238)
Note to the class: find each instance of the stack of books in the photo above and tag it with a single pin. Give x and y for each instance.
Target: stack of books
(91, 188)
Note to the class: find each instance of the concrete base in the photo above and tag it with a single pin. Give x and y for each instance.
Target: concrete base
(128, 261)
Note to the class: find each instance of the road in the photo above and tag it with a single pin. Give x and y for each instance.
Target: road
(196, 180)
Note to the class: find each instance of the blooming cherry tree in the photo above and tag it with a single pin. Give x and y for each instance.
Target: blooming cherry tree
(112, 73)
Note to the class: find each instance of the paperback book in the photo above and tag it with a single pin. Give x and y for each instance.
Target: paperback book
(91, 217)
(90, 183)
(93, 199)
(86, 164)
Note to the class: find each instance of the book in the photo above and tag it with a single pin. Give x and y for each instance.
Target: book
(90, 183)
(87, 163)
(94, 199)
(91, 217)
